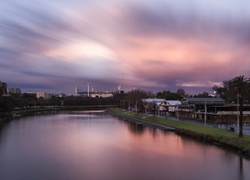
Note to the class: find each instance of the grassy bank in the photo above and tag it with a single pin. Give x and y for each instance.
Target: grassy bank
(205, 133)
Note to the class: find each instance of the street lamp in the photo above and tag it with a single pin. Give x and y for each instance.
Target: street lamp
(136, 105)
(205, 113)
(237, 109)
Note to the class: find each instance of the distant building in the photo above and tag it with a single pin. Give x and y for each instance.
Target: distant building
(101, 94)
(88, 93)
(14, 90)
(119, 90)
(168, 107)
(151, 103)
(199, 108)
(81, 93)
(43, 95)
(160, 106)
(3, 88)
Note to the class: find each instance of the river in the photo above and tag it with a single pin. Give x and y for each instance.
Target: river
(95, 145)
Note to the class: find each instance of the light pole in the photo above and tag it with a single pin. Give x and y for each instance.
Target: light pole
(237, 109)
(129, 105)
(205, 113)
(136, 105)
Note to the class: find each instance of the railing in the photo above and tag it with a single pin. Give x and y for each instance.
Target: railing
(232, 112)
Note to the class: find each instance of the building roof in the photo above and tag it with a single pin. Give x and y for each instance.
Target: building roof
(153, 100)
(173, 102)
(203, 100)
(161, 101)
(169, 103)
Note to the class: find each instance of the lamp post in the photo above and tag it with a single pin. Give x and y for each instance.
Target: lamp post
(205, 113)
(237, 109)
(136, 106)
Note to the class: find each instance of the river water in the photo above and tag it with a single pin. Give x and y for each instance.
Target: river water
(96, 145)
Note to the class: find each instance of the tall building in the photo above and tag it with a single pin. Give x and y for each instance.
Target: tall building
(14, 91)
(3, 88)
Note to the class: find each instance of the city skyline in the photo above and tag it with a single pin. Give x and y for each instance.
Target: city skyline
(151, 45)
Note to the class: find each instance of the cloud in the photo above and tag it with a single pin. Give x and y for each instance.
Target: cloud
(170, 47)
(163, 44)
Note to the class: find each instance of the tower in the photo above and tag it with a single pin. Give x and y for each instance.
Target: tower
(76, 91)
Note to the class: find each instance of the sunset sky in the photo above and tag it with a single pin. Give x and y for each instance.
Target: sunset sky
(55, 45)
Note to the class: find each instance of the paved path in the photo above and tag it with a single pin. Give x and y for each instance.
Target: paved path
(246, 128)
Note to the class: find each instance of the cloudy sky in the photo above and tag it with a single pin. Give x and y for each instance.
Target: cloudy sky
(152, 45)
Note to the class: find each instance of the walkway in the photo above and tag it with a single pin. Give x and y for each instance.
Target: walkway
(246, 128)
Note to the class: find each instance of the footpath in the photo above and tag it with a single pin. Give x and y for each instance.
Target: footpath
(230, 127)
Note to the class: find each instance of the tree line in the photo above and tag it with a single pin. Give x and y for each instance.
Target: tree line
(9, 103)
(228, 90)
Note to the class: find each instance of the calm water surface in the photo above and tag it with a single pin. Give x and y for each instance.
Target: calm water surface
(95, 145)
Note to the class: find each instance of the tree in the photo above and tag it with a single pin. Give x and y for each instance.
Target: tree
(240, 85)
(169, 95)
(203, 95)
(225, 91)
(182, 93)
(134, 97)
(139, 94)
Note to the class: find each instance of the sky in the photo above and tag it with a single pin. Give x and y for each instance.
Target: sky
(55, 46)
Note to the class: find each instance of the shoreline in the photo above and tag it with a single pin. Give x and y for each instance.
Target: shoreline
(211, 135)
(229, 141)
(30, 111)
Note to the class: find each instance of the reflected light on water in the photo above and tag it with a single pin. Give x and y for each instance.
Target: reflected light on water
(99, 146)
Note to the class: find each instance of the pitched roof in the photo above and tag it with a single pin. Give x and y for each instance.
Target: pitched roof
(153, 100)
(173, 102)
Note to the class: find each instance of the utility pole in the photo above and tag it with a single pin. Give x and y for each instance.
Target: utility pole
(136, 105)
(237, 109)
(205, 113)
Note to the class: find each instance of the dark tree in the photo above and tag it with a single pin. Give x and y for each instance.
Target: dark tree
(203, 95)
(133, 98)
(169, 95)
(225, 91)
(240, 85)
(182, 93)
(231, 89)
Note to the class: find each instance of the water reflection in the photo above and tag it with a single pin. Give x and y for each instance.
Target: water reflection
(95, 145)
(136, 128)
(3, 131)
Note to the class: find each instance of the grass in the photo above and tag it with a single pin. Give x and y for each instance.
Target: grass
(207, 133)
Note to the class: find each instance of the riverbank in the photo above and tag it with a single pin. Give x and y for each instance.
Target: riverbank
(213, 135)
(46, 109)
